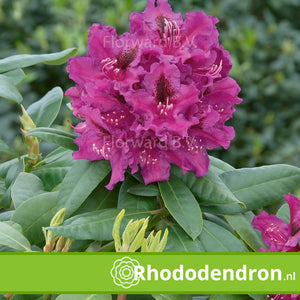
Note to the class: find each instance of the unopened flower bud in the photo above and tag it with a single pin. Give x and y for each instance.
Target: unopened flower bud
(26, 121)
(153, 243)
(116, 230)
(133, 235)
(58, 218)
(60, 244)
(68, 245)
(49, 234)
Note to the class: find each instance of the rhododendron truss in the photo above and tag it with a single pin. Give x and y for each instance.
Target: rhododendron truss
(157, 95)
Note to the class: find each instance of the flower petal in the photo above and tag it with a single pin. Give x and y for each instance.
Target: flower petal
(273, 230)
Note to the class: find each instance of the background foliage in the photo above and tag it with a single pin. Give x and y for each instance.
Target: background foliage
(263, 38)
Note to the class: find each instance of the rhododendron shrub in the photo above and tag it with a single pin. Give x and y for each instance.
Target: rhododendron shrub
(157, 95)
(151, 103)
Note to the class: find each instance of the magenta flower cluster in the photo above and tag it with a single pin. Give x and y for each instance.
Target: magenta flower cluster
(279, 236)
(157, 95)
(276, 234)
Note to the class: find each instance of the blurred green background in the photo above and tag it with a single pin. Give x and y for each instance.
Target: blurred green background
(263, 37)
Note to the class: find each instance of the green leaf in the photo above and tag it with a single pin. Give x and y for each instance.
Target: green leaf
(55, 136)
(11, 175)
(182, 205)
(262, 186)
(25, 297)
(219, 221)
(219, 164)
(51, 177)
(172, 297)
(100, 198)
(26, 186)
(223, 209)
(79, 182)
(44, 111)
(179, 241)
(128, 200)
(4, 167)
(57, 164)
(8, 90)
(36, 213)
(284, 213)
(245, 230)
(2, 187)
(144, 190)
(230, 297)
(16, 76)
(84, 297)
(4, 148)
(26, 60)
(215, 238)
(208, 189)
(6, 215)
(96, 225)
(12, 238)
(258, 297)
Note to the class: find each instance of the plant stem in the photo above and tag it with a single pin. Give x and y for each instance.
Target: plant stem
(108, 247)
(158, 211)
(121, 297)
(47, 297)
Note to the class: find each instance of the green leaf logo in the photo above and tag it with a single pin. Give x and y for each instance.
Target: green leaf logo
(123, 272)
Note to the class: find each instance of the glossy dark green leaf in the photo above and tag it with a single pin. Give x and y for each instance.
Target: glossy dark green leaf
(149, 190)
(79, 182)
(96, 225)
(219, 221)
(16, 76)
(26, 60)
(26, 186)
(55, 136)
(36, 213)
(179, 241)
(209, 189)
(8, 90)
(12, 238)
(182, 205)
(44, 111)
(215, 238)
(100, 198)
(262, 186)
(55, 168)
(245, 230)
(128, 200)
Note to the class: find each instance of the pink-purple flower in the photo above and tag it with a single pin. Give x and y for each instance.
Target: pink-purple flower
(283, 297)
(276, 234)
(157, 95)
(279, 236)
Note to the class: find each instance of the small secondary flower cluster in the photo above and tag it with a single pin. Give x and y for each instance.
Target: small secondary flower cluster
(279, 236)
(165, 79)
